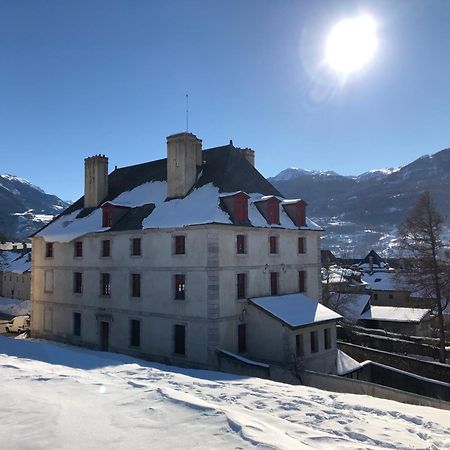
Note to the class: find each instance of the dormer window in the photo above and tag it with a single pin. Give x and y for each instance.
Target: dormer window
(111, 214)
(270, 209)
(296, 210)
(237, 206)
(107, 215)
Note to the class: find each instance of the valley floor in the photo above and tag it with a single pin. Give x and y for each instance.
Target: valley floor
(56, 396)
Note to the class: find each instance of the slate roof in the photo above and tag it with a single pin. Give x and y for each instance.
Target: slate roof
(142, 189)
(226, 167)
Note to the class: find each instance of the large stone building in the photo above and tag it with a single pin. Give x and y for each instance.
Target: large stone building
(15, 273)
(178, 258)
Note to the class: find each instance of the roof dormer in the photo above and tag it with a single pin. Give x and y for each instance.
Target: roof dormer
(296, 210)
(111, 214)
(237, 206)
(269, 207)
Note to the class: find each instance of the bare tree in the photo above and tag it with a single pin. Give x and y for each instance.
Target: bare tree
(426, 263)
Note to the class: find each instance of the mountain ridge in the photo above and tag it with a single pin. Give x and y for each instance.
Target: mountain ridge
(365, 210)
(24, 207)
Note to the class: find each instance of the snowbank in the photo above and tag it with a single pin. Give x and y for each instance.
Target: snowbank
(14, 307)
(56, 396)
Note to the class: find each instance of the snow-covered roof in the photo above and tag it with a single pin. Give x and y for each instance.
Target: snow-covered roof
(295, 310)
(16, 261)
(349, 305)
(224, 172)
(380, 281)
(394, 314)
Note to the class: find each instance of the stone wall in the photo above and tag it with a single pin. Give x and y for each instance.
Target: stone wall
(386, 343)
(347, 385)
(426, 369)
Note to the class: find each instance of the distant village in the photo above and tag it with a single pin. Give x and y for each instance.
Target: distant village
(198, 261)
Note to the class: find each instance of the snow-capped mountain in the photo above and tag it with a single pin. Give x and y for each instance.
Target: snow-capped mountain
(24, 207)
(293, 172)
(360, 212)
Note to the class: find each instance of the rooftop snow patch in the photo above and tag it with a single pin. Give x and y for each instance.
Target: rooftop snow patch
(394, 314)
(224, 172)
(296, 310)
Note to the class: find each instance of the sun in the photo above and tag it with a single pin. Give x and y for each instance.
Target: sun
(351, 44)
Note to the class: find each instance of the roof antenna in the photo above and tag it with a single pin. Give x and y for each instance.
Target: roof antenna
(187, 113)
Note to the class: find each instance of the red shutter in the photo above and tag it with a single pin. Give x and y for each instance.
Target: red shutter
(273, 211)
(301, 281)
(240, 208)
(107, 215)
(106, 248)
(273, 283)
(180, 245)
(240, 244)
(301, 245)
(241, 285)
(273, 241)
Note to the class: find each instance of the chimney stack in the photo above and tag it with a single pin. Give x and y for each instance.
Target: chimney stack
(95, 180)
(184, 155)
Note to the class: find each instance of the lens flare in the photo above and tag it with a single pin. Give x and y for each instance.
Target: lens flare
(351, 44)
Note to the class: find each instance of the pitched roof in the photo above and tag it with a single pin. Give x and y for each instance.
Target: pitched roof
(394, 314)
(295, 310)
(143, 189)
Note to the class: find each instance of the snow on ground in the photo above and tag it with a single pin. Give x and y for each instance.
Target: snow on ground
(64, 397)
(14, 306)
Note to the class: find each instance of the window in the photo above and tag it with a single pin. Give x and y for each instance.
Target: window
(48, 281)
(301, 281)
(375, 296)
(135, 284)
(240, 244)
(78, 249)
(301, 245)
(273, 244)
(180, 339)
(48, 319)
(180, 245)
(241, 208)
(314, 342)
(241, 288)
(273, 211)
(242, 338)
(49, 249)
(77, 324)
(273, 283)
(77, 282)
(136, 247)
(105, 284)
(107, 215)
(299, 348)
(180, 286)
(327, 338)
(135, 333)
(391, 296)
(106, 248)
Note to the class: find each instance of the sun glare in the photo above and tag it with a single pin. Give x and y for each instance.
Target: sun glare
(351, 44)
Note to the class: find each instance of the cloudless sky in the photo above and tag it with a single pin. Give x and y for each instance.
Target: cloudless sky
(81, 77)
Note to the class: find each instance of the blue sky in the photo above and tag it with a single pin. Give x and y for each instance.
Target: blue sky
(84, 77)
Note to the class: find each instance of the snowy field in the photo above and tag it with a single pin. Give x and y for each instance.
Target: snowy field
(63, 397)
